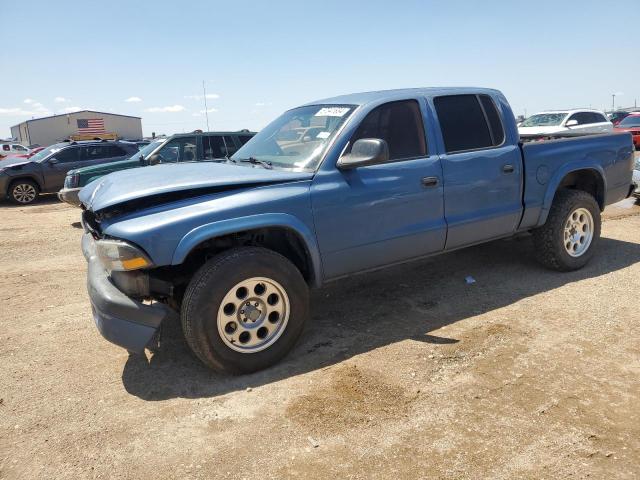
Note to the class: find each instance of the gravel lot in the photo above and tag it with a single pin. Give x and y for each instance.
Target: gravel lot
(406, 373)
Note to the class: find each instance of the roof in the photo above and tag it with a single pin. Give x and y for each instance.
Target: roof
(75, 113)
(376, 96)
(570, 110)
(191, 134)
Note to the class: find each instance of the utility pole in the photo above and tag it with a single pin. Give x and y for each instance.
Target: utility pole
(613, 102)
(206, 110)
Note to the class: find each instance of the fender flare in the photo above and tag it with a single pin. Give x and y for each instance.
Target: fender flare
(224, 227)
(557, 178)
(28, 176)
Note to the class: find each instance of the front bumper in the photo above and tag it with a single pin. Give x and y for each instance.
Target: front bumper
(70, 196)
(123, 321)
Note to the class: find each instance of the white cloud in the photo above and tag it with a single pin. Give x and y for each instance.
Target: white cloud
(60, 100)
(196, 114)
(71, 109)
(170, 108)
(28, 100)
(263, 104)
(133, 99)
(19, 112)
(209, 110)
(210, 96)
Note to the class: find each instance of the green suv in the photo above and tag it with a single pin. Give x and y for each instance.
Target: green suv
(184, 147)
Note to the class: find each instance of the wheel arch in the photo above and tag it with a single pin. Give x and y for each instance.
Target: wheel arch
(33, 178)
(282, 233)
(588, 179)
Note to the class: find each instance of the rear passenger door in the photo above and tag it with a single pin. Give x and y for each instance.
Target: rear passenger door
(482, 172)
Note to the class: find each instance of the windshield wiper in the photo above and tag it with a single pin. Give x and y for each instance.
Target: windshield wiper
(255, 161)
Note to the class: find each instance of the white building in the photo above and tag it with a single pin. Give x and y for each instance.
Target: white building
(49, 130)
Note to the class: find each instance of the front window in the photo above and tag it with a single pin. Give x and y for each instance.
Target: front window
(180, 149)
(43, 154)
(146, 150)
(544, 120)
(633, 121)
(298, 138)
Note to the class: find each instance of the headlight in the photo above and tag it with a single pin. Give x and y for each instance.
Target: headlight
(121, 256)
(71, 180)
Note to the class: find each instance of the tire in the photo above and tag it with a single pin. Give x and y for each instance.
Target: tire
(24, 192)
(213, 319)
(554, 242)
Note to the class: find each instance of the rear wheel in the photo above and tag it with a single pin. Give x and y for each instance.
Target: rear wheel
(244, 310)
(568, 238)
(23, 192)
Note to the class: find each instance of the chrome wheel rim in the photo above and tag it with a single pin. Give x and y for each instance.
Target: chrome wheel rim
(24, 193)
(253, 315)
(578, 232)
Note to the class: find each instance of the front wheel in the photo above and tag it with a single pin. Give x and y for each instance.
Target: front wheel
(568, 238)
(23, 192)
(244, 310)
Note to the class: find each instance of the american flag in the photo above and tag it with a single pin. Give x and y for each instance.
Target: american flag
(90, 125)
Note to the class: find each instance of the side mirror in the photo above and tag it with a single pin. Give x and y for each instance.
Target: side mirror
(142, 160)
(153, 159)
(366, 151)
(53, 161)
(571, 123)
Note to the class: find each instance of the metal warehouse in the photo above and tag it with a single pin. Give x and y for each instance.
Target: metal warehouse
(49, 130)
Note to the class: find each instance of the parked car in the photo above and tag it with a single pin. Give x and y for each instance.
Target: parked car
(617, 116)
(631, 124)
(178, 148)
(12, 149)
(232, 248)
(22, 180)
(565, 123)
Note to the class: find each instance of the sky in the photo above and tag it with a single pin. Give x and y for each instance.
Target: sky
(260, 58)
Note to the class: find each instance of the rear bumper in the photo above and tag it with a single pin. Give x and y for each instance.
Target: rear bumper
(121, 320)
(70, 196)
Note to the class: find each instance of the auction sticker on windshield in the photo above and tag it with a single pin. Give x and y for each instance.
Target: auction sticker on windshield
(331, 112)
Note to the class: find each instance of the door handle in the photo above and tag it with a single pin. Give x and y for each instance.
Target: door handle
(430, 181)
(508, 168)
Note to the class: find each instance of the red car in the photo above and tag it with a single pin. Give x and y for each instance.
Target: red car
(631, 124)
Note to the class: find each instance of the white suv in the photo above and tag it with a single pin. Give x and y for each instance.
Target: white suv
(564, 123)
(11, 149)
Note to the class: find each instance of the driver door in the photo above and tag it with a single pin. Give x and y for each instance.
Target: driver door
(385, 213)
(55, 168)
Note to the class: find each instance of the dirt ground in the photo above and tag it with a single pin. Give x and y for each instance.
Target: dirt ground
(406, 373)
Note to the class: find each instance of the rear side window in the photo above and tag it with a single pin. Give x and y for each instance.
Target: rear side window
(6, 148)
(463, 123)
(400, 125)
(493, 117)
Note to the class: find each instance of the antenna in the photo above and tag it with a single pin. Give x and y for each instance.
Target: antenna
(206, 110)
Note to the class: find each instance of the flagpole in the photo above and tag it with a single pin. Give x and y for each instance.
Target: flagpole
(206, 110)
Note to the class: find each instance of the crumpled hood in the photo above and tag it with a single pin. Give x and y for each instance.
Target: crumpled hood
(137, 183)
(541, 130)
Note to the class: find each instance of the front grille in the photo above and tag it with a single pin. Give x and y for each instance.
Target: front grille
(91, 223)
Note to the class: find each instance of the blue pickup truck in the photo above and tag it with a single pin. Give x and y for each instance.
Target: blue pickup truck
(329, 189)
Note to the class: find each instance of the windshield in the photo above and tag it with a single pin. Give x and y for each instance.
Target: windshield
(146, 150)
(42, 154)
(633, 121)
(544, 120)
(298, 138)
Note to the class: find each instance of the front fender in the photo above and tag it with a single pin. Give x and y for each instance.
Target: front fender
(223, 227)
(557, 178)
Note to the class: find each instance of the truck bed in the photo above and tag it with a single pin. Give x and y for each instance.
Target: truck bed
(546, 164)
